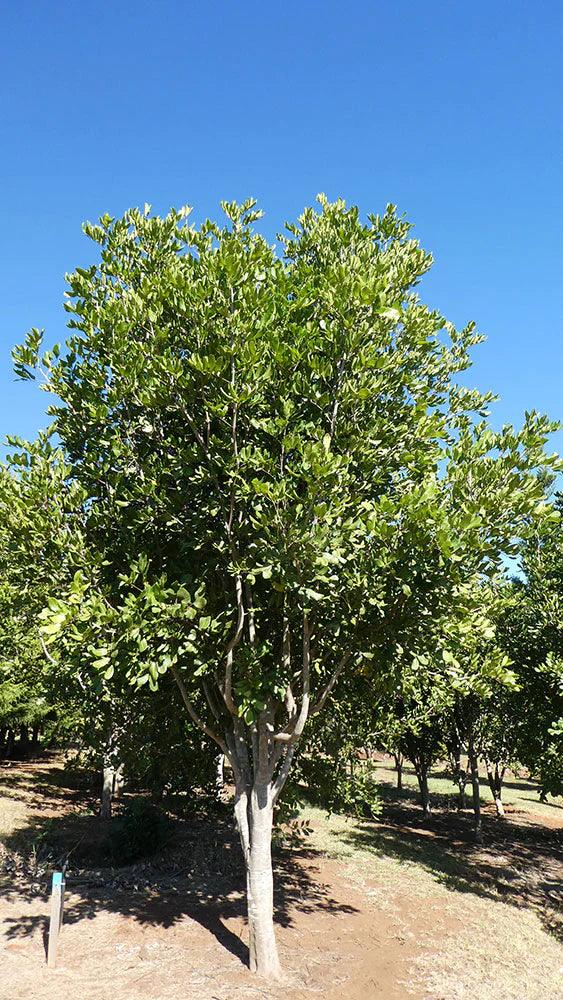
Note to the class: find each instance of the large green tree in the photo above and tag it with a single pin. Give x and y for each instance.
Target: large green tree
(260, 434)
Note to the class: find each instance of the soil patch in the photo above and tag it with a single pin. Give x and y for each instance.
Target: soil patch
(404, 903)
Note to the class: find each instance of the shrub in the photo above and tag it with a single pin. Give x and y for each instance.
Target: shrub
(141, 829)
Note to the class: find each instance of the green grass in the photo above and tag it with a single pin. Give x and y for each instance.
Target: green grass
(518, 792)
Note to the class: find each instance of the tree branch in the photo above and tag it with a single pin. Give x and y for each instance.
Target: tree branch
(228, 686)
(291, 736)
(193, 714)
(319, 704)
(282, 774)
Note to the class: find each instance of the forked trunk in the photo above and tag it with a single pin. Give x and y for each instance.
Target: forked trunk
(424, 793)
(499, 806)
(254, 815)
(495, 784)
(260, 757)
(462, 801)
(460, 778)
(422, 777)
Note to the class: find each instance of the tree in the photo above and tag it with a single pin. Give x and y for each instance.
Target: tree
(452, 697)
(530, 627)
(335, 755)
(36, 550)
(259, 437)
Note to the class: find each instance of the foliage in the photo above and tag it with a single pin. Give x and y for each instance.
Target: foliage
(240, 458)
(531, 626)
(36, 508)
(338, 787)
(140, 829)
(280, 478)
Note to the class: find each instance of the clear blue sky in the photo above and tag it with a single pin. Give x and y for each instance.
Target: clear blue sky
(452, 110)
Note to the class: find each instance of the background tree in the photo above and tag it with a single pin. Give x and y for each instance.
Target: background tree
(531, 629)
(37, 507)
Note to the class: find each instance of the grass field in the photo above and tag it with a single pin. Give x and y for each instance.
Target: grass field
(518, 792)
(479, 940)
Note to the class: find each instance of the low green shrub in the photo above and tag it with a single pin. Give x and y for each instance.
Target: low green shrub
(139, 830)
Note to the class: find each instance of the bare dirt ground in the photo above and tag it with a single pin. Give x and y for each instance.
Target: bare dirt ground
(365, 910)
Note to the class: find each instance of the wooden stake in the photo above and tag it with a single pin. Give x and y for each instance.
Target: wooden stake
(56, 917)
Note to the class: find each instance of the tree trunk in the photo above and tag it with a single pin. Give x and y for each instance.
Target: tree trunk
(35, 735)
(495, 784)
(422, 775)
(461, 780)
(254, 813)
(10, 744)
(398, 757)
(107, 789)
(118, 782)
(474, 765)
(220, 773)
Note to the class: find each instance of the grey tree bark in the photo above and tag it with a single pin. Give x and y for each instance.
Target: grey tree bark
(118, 781)
(220, 773)
(422, 776)
(399, 760)
(461, 783)
(108, 773)
(260, 756)
(255, 829)
(420, 765)
(460, 778)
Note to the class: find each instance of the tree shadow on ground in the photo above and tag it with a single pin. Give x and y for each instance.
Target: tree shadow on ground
(197, 876)
(199, 873)
(410, 796)
(519, 862)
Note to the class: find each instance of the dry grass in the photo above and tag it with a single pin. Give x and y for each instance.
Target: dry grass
(501, 954)
(465, 945)
(443, 920)
(14, 813)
